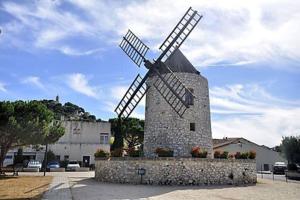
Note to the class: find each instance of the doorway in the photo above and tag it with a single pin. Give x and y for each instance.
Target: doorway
(86, 161)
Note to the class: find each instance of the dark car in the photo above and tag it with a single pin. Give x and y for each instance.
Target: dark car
(279, 168)
(52, 165)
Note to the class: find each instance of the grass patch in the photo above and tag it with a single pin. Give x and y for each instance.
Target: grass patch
(23, 187)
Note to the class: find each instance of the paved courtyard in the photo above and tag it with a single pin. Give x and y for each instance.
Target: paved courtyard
(81, 185)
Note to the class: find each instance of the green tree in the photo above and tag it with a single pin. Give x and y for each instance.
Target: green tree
(68, 110)
(24, 123)
(51, 156)
(290, 146)
(132, 132)
(117, 130)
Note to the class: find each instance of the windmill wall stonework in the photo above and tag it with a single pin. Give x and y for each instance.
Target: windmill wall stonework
(165, 128)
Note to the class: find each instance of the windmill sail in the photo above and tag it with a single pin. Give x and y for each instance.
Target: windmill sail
(134, 48)
(179, 33)
(167, 84)
(172, 89)
(132, 97)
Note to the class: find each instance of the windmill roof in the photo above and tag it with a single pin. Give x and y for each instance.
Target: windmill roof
(177, 62)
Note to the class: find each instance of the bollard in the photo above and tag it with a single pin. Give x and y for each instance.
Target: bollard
(272, 172)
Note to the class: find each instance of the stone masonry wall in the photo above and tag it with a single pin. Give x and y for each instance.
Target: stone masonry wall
(177, 171)
(165, 128)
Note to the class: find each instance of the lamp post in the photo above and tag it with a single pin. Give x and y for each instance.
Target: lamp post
(45, 159)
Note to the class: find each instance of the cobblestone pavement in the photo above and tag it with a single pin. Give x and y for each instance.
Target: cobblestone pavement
(81, 185)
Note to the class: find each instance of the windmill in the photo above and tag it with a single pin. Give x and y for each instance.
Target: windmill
(168, 85)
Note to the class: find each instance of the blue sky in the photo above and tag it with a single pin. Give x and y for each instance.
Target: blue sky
(249, 51)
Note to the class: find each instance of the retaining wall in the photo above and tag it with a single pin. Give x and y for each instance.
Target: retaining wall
(176, 171)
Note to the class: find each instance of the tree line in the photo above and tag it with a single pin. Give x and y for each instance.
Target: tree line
(26, 123)
(38, 122)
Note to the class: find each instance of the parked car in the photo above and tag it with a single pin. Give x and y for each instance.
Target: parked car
(279, 168)
(34, 164)
(9, 160)
(73, 165)
(53, 165)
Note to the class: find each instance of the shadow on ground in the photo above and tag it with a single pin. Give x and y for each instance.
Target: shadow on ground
(89, 188)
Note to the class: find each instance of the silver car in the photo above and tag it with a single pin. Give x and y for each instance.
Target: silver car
(34, 164)
(73, 165)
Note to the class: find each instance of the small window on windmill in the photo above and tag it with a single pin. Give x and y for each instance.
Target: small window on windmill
(189, 98)
(192, 126)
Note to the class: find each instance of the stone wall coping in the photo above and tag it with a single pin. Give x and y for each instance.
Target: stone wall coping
(174, 159)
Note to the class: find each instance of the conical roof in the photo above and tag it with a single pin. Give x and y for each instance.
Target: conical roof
(177, 62)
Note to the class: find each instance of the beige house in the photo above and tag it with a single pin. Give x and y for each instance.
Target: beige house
(81, 140)
(265, 156)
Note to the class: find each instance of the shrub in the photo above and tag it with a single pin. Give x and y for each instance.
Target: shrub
(164, 152)
(224, 155)
(244, 155)
(197, 153)
(63, 163)
(203, 154)
(237, 155)
(100, 153)
(252, 154)
(132, 152)
(231, 156)
(217, 154)
(117, 152)
(240, 155)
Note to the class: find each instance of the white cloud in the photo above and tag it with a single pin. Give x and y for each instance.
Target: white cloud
(231, 32)
(33, 80)
(2, 87)
(249, 111)
(80, 83)
(74, 52)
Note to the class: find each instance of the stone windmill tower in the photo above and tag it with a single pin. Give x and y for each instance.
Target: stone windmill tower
(164, 128)
(177, 101)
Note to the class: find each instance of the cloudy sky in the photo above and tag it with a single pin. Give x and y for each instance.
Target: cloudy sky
(248, 50)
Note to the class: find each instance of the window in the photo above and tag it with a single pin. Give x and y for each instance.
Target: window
(189, 98)
(192, 127)
(8, 157)
(57, 157)
(103, 138)
(66, 157)
(76, 129)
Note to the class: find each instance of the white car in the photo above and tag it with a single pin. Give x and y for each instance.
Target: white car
(73, 165)
(34, 164)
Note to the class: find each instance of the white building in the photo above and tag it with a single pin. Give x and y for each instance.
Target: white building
(81, 140)
(265, 156)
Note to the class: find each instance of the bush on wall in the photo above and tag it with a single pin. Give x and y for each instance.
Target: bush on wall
(100, 153)
(132, 152)
(164, 152)
(245, 155)
(223, 155)
(252, 154)
(197, 153)
(117, 152)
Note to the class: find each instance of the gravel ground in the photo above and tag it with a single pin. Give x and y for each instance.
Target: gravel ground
(83, 186)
